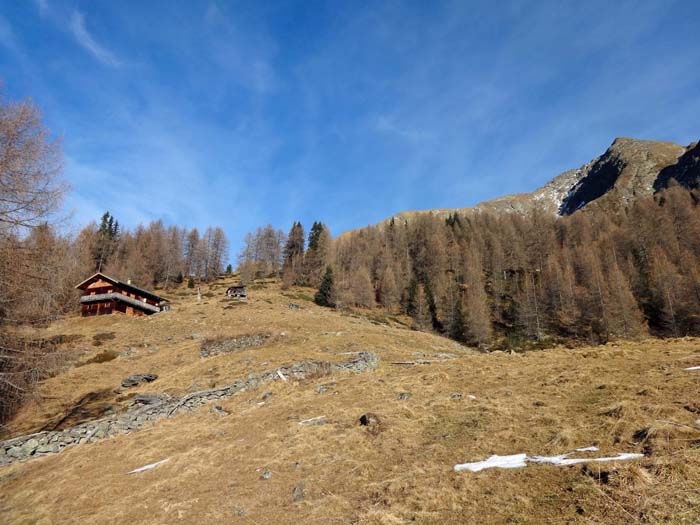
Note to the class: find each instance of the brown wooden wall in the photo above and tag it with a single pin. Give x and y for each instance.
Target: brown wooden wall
(109, 307)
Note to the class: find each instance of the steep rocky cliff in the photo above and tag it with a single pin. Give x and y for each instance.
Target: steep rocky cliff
(686, 171)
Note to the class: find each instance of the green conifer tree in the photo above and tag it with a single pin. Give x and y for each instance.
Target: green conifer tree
(324, 296)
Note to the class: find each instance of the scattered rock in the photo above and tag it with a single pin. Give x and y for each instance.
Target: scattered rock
(148, 408)
(47, 449)
(238, 511)
(368, 418)
(266, 396)
(456, 395)
(15, 452)
(402, 396)
(30, 446)
(299, 492)
(363, 362)
(538, 404)
(266, 475)
(137, 379)
(150, 399)
(321, 389)
(225, 345)
(293, 306)
(372, 422)
(220, 411)
(128, 352)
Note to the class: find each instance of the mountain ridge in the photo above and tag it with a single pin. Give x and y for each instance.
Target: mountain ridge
(629, 168)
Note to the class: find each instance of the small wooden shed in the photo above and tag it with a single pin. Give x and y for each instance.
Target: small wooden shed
(104, 295)
(237, 291)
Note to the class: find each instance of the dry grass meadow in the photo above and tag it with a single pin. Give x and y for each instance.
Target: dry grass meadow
(259, 465)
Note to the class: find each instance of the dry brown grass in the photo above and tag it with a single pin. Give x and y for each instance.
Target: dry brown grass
(632, 397)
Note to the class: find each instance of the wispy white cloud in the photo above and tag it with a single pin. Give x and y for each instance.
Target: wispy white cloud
(7, 36)
(85, 39)
(246, 53)
(213, 14)
(386, 124)
(42, 6)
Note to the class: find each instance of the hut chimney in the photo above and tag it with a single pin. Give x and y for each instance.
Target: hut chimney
(128, 281)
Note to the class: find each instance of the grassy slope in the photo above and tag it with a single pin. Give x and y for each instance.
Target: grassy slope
(540, 403)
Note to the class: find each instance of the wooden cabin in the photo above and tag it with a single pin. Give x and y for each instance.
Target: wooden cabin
(105, 295)
(237, 291)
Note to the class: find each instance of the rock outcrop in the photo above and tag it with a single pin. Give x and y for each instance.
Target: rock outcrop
(627, 170)
(225, 345)
(137, 379)
(685, 172)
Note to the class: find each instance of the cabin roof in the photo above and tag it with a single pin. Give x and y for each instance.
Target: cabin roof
(121, 284)
(87, 299)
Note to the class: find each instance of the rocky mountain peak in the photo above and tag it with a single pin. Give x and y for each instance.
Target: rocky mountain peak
(628, 169)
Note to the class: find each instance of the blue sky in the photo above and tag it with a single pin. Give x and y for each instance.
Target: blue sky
(245, 113)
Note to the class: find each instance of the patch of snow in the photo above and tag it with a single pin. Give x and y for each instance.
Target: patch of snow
(521, 460)
(148, 467)
(563, 459)
(692, 368)
(311, 420)
(471, 396)
(514, 461)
